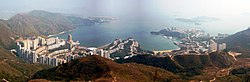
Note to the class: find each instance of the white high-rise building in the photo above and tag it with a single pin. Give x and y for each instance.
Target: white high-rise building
(54, 62)
(106, 54)
(51, 41)
(42, 41)
(221, 46)
(48, 61)
(35, 43)
(26, 44)
(42, 59)
(212, 46)
(33, 57)
(70, 38)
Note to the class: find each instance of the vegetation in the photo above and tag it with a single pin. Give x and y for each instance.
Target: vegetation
(29, 24)
(221, 59)
(96, 68)
(14, 69)
(186, 66)
(161, 62)
(39, 23)
(239, 42)
(193, 60)
(165, 63)
(5, 35)
(237, 75)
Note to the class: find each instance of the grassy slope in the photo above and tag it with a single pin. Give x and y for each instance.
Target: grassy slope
(13, 69)
(193, 60)
(39, 23)
(96, 68)
(239, 42)
(187, 66)
(5, 35)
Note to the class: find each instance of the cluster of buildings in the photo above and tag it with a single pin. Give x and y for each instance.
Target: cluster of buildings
(55, 51)
(98, 51)
(119, 44)
(191, 48)
(128, 46)
(213, 46)
(194, 32)
(197, 42)
(194, 48)
(50, 51)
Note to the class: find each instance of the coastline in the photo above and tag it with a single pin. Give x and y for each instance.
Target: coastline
(170, 50)
(105, 45)
(60, 33)
(113, 20)
(166, 51)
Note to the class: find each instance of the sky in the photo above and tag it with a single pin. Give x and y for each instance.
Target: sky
(224, 16)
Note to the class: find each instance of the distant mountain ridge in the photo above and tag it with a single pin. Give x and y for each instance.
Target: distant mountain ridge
(239, 42)
(39, 22)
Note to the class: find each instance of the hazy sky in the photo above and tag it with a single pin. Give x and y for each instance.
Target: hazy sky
(226, 16)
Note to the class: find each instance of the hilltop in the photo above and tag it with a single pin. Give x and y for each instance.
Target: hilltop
(185, 65)
(96, 68)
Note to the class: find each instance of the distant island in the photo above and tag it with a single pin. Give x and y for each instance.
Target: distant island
(102, 19)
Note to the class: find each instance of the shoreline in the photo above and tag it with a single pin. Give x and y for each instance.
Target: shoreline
(170, 50)
(113, 20)
(60, 33)
(164, 51)
(105, 45)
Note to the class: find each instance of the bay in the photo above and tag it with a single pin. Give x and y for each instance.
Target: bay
(137, 28)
